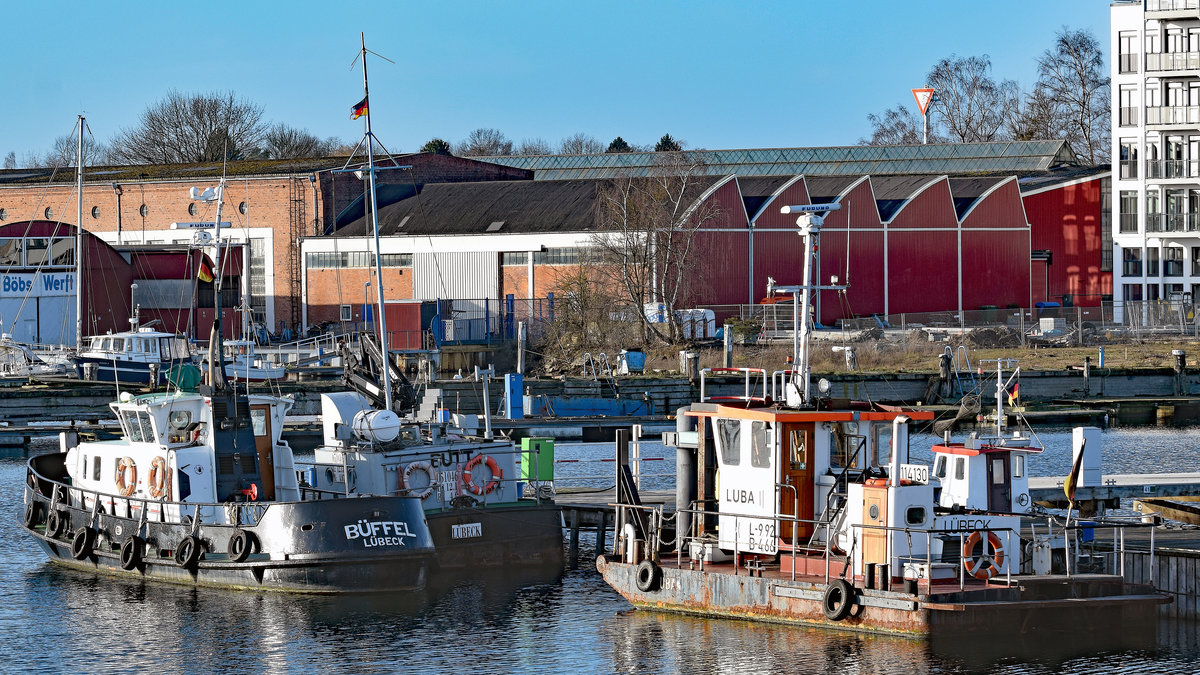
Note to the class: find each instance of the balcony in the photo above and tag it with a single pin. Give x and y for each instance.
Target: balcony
(1166, 169)
(1129, 168)
(1128, 117)
(1169, 62)
(1172, 223)
(1172, 115)
(1172, 9)
(1128, 63)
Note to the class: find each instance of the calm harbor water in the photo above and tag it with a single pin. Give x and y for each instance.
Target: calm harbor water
(55, 620)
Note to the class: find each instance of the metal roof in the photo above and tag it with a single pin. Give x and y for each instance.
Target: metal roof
(949, 158)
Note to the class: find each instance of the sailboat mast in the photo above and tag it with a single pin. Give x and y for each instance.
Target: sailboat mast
(216, 372)
(79, 238)
(383, 334)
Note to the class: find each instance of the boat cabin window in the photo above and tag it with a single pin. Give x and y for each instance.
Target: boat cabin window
(915, 515)
(730, 434)
(939, 467)
(137, 426)
(881, 441)
(96, 467)
(960, 468)
(258, 420)
(1018, 465)
(998, 474)
(847, 445)
(760, 445)
(117, 345)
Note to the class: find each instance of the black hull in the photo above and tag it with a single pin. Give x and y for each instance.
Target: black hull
(509, 537)
(323, 546)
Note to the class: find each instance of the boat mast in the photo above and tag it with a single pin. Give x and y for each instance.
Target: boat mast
(370, 139)
(79, 238)
(216, 363)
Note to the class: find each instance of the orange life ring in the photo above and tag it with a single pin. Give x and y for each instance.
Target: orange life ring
(160, 479)
(412, 468)
(985, 565)
(469, 481)
(126, 477)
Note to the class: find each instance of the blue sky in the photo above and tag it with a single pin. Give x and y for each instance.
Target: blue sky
(714, 74)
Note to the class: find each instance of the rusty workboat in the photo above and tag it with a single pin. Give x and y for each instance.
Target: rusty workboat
(810, 511)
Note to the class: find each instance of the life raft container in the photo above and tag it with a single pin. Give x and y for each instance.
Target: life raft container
(126, 477)
(160, 480)
(406, 475)
(469, 480)
(988, 562)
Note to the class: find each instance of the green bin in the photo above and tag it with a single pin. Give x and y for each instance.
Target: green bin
(537, 459)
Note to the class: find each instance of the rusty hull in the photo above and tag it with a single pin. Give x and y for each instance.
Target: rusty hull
(1097, 607)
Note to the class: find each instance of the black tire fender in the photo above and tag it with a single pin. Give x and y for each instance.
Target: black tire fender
(32, 512)
(82, 542)
(241, 545)
(838, 600)
(187, 552)
(56, 523)
(647, 576)
(131, 552)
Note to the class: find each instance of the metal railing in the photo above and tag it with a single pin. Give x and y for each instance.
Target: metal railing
(1167, 61)
(1171, 5)
(1176, 114)
(1167, 168)
(751, 387)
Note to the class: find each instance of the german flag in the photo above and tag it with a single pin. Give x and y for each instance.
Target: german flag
(359, 109)
(1071, 484)
(205, 273)
(1014, 394)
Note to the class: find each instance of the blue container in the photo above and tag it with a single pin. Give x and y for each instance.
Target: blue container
(635, 360)
(1086, 531)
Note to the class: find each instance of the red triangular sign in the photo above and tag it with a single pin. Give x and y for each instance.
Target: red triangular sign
(923, 96)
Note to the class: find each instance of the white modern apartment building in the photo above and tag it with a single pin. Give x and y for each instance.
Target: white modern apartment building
(1156, 150)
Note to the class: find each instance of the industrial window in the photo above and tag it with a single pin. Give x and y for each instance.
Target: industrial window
(346, 314)
(760, 445)
(1106, 230)
(10, 252)
(960, 468)
(144, 210)
(192, 209)
(49, 213)
(362, 259)
(514, 258)
(258, 277)
(35, 252)
(557, 256)
(242, 208)
(95, 211)
(729, 432)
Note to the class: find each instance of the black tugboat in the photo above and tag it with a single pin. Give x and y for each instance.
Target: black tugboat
(200, 489)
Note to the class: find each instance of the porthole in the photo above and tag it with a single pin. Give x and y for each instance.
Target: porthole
(49, 213)
(144, 210)
(95, 211)
(915, 515)
(192, 209)
(242, 208)
(873, 512)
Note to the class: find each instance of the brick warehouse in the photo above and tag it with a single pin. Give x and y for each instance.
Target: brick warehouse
(270, 203)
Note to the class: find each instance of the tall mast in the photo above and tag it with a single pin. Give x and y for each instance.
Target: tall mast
(370, 137)
(216, 367)
(79, 238)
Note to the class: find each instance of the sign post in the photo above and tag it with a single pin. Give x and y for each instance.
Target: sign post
(923, 96)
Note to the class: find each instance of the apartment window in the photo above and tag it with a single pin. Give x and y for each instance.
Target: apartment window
(1129, 158)
(1173, 262)
(1106, 229)
(1128, 105)
(1173, 291)
(1131, 262)
(1127, 48)
(1152, 292)
(1152, 261)
(1153, 41)
(1131, 292)
(1129, 211)
(1196, 261)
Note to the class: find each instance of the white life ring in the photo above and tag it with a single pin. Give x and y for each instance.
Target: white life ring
(413, 467)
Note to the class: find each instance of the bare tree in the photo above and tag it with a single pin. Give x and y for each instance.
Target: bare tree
(484, 142)
(897, 126)
(185, 128)
(534, 146)
(62, 153)
(1037, 117)
(1071, 73)
(646, 236)
(580, 144)
(10, 160)
(969, 103)
(281, 141)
